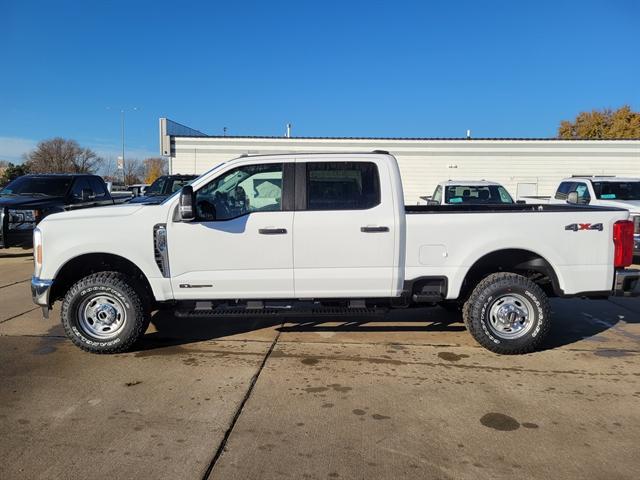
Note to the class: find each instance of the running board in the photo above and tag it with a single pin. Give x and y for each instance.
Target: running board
(253, 309)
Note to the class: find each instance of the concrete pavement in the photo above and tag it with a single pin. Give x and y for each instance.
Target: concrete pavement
(409, 395)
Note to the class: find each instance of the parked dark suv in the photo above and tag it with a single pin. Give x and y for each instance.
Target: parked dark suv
(28, 199)
(162, 188)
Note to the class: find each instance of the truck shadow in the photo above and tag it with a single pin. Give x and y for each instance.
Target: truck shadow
(571, 323)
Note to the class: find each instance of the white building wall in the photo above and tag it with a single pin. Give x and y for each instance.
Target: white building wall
(424, 163)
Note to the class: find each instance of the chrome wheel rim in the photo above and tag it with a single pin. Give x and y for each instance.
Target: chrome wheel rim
(511, 316)
(102, 316)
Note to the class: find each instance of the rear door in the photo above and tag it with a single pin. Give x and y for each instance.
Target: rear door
(344, 229)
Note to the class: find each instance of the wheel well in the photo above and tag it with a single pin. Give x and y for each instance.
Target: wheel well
(523, 262)
(80, 267)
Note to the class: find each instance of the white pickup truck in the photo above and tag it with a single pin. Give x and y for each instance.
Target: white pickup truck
(466, 192)
(323, 233)
(602, 191)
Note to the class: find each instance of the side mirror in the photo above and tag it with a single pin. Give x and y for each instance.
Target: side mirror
(86, 194)
(572, 198)
(187, 204)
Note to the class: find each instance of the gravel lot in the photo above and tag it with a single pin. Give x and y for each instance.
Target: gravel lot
(408, 395)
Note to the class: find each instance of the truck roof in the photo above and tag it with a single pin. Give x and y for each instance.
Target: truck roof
(61, 175)
(469, 183)
(312, 154)
(600, 178)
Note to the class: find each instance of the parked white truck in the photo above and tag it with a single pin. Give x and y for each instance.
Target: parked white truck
(323, 231)
(603, 191)
(466, 192)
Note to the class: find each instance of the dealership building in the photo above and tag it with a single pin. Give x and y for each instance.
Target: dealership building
(525, 166)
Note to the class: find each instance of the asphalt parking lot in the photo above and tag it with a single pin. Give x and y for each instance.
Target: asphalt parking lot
(406, 395)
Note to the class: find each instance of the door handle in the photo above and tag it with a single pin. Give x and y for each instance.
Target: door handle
(272, 231)
(374, 229)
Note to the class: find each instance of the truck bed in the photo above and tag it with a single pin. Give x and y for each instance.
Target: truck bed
(449, 245)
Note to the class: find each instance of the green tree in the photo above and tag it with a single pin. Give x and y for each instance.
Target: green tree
(606, 124)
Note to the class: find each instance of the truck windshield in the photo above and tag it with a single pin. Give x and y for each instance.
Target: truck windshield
(157, 187)
(167, 185)
(470, 194)
(49, 186)
(617, 190)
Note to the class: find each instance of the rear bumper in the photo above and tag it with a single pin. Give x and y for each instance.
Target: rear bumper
(626, 283)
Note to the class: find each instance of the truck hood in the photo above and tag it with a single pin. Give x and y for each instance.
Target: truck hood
(27, 201)
(121, 210)
(150, 199)
(632, 205)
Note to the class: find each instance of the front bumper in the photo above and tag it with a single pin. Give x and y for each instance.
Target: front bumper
(10, 236)
(626, 283)
(40, 290)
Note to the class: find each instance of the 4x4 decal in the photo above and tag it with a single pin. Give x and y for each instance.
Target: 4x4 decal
(575, 227)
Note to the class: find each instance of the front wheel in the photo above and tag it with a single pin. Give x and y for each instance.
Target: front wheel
(508, 314)
(103, 313)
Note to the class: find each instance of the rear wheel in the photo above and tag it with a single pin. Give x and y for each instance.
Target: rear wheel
(103, 313)
(507, 313)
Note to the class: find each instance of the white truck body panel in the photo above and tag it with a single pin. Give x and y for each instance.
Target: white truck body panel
(235, 260)
(449, 245)
(325, 254)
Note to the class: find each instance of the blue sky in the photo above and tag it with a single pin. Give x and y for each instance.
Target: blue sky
(499, 68)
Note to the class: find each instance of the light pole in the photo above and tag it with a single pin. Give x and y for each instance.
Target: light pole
(124, 180)
(122, 115)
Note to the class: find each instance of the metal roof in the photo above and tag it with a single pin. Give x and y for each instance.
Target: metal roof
(522, 139)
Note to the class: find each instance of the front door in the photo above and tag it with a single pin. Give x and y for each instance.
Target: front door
(240, 244)
(344, 230)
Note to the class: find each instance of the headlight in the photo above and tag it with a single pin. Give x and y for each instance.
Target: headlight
(22, 219)
(37, 252)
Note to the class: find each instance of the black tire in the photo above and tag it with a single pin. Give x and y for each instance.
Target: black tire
(481, 314)
(115, 290)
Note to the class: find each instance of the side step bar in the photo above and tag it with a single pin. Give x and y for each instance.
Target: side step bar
(259, 309)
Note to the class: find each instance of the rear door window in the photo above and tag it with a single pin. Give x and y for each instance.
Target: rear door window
(98, 188)
(342, 185)
(79, 185)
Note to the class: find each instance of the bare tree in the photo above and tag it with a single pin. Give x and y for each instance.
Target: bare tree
(59, 155)
(133, 171)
